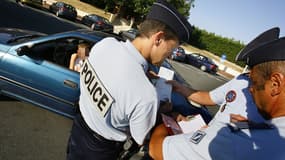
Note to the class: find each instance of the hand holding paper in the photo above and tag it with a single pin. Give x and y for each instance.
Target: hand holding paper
(195, 123)
(163, 89)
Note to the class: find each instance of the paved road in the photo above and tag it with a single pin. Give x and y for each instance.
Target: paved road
(196, 78)
(31, 133)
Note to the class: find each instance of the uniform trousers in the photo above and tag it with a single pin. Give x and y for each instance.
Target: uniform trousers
(85, 144)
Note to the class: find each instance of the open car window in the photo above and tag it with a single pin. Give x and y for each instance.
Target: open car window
(57, 51)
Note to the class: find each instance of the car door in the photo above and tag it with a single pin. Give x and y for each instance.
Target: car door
(35, 78)
(193, 60)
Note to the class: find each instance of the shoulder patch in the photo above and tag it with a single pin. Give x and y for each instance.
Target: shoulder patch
(231, 96)
(97, 92)
(197, 136)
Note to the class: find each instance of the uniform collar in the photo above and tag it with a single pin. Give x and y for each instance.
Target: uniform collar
(137, 55)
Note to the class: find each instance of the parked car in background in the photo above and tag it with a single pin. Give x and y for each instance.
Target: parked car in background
(97, 23)
(64, 10)
(204, 63)
(36, 3)
(129, 34)
(178, 54)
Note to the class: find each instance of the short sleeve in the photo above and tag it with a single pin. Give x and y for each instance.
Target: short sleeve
(142, 120)
(218, 95)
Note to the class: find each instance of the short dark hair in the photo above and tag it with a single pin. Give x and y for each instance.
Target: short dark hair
(264, 70)
(149, 27)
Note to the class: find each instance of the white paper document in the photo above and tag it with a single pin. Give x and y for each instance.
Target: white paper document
(195, 123)
(163, 89)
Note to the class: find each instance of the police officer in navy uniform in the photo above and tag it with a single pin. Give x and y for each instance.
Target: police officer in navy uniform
(117, 100)
(243, 139)
(233, 97)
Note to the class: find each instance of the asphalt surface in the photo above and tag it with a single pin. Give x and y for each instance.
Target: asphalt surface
(31, 133)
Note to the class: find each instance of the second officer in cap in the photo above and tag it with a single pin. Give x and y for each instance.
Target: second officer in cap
(117, 99)
(242, 138)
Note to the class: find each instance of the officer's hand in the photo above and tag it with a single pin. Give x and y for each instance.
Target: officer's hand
(152, 75)
(165, 107)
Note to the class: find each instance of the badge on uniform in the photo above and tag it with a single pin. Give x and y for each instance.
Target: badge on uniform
(197, 136)
(230, 97)
(99, 95)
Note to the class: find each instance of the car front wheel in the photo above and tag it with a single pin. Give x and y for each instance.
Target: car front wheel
(203, 68)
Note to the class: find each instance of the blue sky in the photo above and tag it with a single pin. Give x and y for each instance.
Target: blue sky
(241, 20)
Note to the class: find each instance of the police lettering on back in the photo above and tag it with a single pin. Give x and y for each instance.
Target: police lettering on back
(100, 97)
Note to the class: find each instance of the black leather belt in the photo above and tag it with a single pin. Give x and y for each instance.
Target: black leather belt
(93, 133)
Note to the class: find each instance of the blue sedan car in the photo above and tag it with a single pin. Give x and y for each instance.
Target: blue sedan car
(34, 69)
(202, 62)
(178, 54)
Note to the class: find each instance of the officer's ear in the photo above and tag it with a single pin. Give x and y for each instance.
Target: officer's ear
(158, 37)
(277, 83)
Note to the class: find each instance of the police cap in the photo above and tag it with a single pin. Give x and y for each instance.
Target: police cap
(271, 51)
(167, 14)
(267, 36)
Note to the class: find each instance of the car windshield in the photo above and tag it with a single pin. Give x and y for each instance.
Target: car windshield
(104, 20)
(203, 58)
(69, 7)
(195, 55)
(211, 61)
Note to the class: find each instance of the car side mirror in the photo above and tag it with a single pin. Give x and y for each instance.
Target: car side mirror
(22, 50)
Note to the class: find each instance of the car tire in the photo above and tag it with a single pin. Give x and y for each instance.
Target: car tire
(93, 26)
(57, 13)
(203, 68)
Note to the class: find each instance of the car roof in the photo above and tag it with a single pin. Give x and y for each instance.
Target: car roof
(90, 33)
(11, 35)
(8, 35)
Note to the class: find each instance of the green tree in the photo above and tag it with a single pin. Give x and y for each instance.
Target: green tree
(139, 8)
(216, 44)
